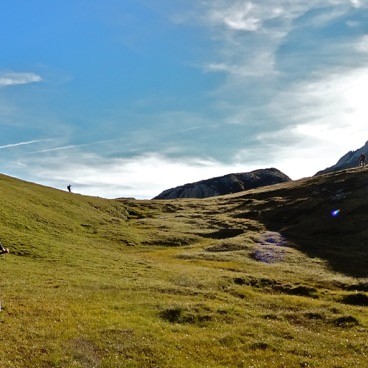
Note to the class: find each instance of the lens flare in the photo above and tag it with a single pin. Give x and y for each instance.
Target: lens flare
(335, 213)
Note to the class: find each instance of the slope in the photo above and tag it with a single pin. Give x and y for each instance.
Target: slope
(257, 278)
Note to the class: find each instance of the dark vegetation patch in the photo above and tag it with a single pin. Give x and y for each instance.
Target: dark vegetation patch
(239, 281)
(134, 214)
(251, 215)
(223, 234)
(259, 346)
(271, 316)
(345, 321)
(170, 241)
(359, 299)
(307, 317)
(358, 287)
(300, 290)
(195, 316)
(274, 285)
(314, 316)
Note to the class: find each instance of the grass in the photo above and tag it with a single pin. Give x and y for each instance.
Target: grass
(233, 281)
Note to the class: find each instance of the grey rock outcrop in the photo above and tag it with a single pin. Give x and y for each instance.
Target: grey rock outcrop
(350, 159)
(231, 183)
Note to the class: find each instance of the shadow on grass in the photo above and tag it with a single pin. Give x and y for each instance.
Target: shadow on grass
(341, 241)
(325, 219)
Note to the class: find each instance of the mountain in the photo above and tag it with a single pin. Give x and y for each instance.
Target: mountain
(349, 160)
(270, 277)
(227, 184)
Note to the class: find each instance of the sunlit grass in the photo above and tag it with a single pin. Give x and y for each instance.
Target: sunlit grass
(101, 283)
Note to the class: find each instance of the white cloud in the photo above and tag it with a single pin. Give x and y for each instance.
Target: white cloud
(248, 34)
(362, 44)
(328, 118)
(358, 3)
(141, 177)
(239, 17)
(13, 78)
(252, 64)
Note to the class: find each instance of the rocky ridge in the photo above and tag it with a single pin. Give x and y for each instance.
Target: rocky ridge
(227, 184)
(349, 160)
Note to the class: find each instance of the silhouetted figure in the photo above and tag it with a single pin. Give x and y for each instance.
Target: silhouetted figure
(362, 159)
(69, 188)
(3, 250)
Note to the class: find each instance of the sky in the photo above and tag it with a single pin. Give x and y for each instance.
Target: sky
(127, 98)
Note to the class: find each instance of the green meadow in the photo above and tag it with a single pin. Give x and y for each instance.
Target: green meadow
(263, 278)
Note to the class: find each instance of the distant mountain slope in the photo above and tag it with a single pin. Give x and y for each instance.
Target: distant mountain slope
(347, 161)
(227, 184)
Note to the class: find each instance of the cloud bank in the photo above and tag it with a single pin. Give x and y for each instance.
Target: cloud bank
(142, 177)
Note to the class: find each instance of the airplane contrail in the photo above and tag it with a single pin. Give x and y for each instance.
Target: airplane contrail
(24, 143)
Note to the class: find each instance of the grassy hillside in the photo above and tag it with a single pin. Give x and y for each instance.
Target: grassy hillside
(264, 278)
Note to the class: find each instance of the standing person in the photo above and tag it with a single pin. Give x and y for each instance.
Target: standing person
(69, 187)
(362, 159)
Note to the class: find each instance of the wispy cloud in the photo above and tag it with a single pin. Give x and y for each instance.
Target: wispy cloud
(249, 34)
(13, 78)
(72, 146)
(11, 145)
(242, 15)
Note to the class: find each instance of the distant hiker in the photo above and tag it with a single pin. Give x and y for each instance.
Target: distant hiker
(69, 188)
(3, 250)
(362, 159)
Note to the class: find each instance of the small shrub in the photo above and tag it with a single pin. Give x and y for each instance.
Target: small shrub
(359, 299)
(181, 315)
(345, 321)
(259, 346)
(313, 315)
(224, 234)
(239, 281)
(172, 315)
(297, 290)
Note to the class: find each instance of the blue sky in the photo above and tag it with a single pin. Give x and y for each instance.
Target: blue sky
(127, 98)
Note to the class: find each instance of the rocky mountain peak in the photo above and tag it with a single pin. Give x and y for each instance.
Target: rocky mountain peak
(227, 184)
(349, 160)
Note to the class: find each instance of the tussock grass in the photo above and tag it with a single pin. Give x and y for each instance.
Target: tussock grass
(103, 283)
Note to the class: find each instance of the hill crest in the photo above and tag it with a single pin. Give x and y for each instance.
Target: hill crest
(227, 184)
